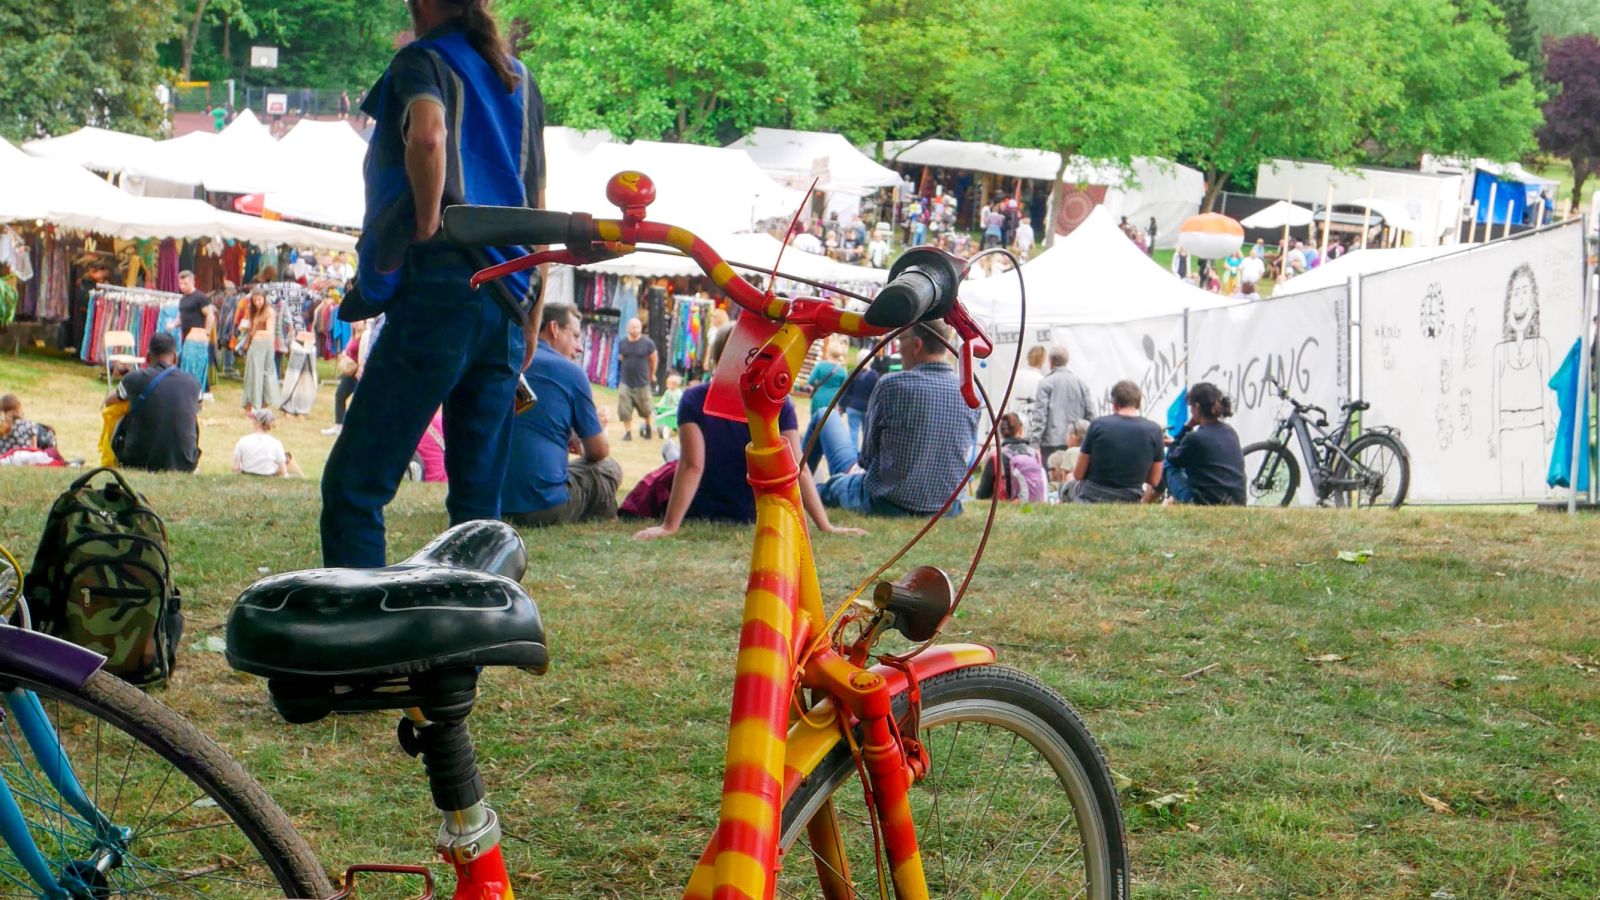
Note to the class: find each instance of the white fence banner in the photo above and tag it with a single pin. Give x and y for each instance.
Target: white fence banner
(1458, 352)
(1300, 341)
(1148, 352)
(994, 373)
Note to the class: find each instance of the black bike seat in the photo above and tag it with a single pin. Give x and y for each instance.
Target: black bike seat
(1357, 405)
(455, 604)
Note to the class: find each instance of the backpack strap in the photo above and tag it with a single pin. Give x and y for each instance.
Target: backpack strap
(139, 401)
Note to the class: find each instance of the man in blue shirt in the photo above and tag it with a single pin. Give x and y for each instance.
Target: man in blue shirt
(457, 120)
(919, 436)
(542, 486)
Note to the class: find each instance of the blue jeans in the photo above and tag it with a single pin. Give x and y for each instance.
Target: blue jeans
(1178, 485)
(834, 443)
(442, 344)
(857, 418)
(850, 492)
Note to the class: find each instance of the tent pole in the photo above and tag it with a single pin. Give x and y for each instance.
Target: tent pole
(1488, 222)
(1472, 224)
(1327, 225)
(1505, 229)
(1366, 221)
(1283, 246)
(1580, 421)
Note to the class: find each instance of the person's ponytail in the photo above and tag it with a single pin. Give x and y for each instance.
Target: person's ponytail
(483, 33)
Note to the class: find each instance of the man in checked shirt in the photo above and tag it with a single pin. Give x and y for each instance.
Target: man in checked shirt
(918, 439)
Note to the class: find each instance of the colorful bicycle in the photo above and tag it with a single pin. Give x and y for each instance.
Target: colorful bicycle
(929, 773)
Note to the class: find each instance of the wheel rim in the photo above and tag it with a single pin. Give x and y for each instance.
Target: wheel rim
(1005, 811)
(167, 836)
(1377, 473)
(1269, 478)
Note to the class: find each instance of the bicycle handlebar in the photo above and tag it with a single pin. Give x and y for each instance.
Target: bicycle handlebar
(923, 284)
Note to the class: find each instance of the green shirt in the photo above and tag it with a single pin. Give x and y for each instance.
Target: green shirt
(218, 117)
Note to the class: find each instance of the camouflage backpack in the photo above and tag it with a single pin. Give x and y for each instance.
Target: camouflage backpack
(101, 579)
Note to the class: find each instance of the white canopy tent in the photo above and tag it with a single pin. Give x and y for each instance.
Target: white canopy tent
(792, 157)
(708, 190)
(172, 168)
(1094, 274)
(1149, 188)
(1361, 262)
(318, 175)
(1429, 204)
(92, 148)
(244, 158)
(753, 248)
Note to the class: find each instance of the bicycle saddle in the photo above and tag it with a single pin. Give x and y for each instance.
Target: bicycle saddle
(455, 604)
(1357, 405)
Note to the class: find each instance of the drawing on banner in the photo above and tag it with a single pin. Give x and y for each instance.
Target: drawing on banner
(1466, 412)
(1164, 373)
(1522, 414)
(1469, 339)
(1446, 425)
(1386, 335)
(1433, 311)
(1444, 366)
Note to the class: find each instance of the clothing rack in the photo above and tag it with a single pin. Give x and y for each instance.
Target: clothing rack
(116, 308)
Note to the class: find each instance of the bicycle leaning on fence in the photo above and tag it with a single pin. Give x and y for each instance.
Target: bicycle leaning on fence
(852, 768)
(1372, 469)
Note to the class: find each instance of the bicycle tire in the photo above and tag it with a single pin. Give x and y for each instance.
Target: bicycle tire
(1011, 703)
(1287, 472)
(1399, 480)
(106, 711)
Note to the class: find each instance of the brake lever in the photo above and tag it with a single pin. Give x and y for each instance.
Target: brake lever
(973, 343)
(599, 252)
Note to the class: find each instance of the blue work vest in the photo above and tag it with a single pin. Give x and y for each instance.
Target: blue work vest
(494, 156)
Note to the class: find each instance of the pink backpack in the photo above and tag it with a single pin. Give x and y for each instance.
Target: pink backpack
(1027, 475)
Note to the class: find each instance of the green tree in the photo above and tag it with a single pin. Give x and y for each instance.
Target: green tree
(908, 49)
(1270, 84)
(70, 63)
(1459, 90)
(330, 44)
(1090, 78)
(1559, 18)
(699, 71)
(1522, 34)
(1572, 126)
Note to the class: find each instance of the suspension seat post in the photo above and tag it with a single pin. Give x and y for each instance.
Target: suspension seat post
(470, 829)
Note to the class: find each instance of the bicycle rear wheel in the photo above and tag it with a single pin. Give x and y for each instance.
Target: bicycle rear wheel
(1381, 474)
(1273, 475)
(172, 815)
(1018, 801)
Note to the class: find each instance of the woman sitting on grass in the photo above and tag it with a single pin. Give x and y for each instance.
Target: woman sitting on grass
(259, 453)
(1205, 465)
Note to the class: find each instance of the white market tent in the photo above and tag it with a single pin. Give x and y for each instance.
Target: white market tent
(318, 175)
(753, 248)
(1360, 262)
(92, 148)
(1094, 274)
(1426, 203)
(172, 168)
(72, 197)
(1150, 188)
(708, 190)
(791, 157)
(244, 159)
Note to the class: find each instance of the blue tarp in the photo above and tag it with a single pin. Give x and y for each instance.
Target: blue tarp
(1514, 200)
(1565, 384)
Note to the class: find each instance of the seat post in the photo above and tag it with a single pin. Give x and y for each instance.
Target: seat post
(470, 828)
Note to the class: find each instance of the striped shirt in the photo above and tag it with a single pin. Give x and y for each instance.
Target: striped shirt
(919, 437)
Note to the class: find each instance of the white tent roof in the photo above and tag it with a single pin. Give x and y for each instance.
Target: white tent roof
(244, 159)
(788, 156)
(92, 148)
(1394, 213)
(708, 190)
(181, 160)
(1361, 262)
(1278, 215)
(752, 248)
(319, 174)
(54, 190)
(1094, 274)
(977, 157)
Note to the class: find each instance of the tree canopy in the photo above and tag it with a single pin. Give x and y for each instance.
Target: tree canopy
(70, 63)
(1572, 124)
(698, 71)
(908, 50)
(328, 44)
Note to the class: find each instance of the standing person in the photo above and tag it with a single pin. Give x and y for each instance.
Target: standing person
(1025, 387)
(196, 322)
(260, 366)
(543, 486)
(219, 117)
(348, 366)
(1252, 269)
(637, 356)
(1024, 238)
(1151, 231)
(1182, 264)
(161, 432)
(344, 105)
(457, 120)
(1205, 465)
(1121, 454)
(1063, 398)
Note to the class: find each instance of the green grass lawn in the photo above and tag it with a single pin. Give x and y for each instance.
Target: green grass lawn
(1462, 662)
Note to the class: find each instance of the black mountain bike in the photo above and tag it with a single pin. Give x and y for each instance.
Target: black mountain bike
(1371, 470)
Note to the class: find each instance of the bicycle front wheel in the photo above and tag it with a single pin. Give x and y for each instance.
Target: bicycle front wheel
(1018, 802)
(1381, 475)
(159, 809)
(1272, 472)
